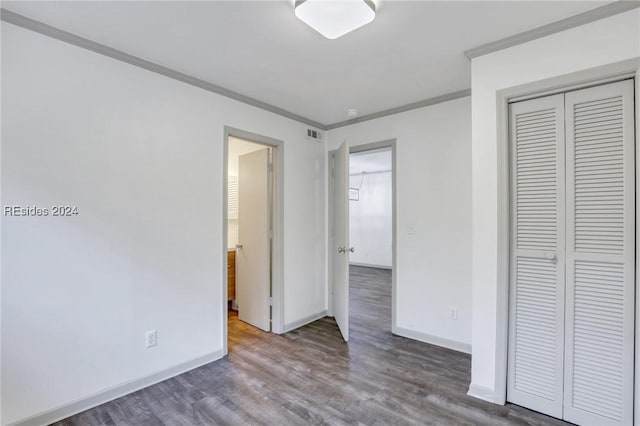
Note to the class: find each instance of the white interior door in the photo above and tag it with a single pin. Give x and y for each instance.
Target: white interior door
(253, 286)
(536, 304)
(340, 265)
(600, 304)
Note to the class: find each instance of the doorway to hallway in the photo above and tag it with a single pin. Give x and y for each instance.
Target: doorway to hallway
(363, 233)
(371, 235)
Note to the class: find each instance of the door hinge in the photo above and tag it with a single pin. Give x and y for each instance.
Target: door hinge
(270, 234)
(270, 168)
(270, 301)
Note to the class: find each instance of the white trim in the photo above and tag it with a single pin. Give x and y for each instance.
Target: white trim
(574, 80)
(370, 265)
(433, 340)
(304, 321)
(109, 394)
(482, 393)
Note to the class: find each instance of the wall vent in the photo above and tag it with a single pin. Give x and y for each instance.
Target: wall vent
(316, 135)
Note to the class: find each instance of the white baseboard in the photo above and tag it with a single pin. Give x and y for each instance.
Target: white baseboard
(483, 393)
(56, 414)
(434, 340)
(304, 321)
(369, 265)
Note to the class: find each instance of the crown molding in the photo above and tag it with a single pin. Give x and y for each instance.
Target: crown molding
(76, 40)
(404, 108)
(555, 27)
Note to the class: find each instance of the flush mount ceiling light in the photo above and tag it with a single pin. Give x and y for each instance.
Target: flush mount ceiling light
(335, 18)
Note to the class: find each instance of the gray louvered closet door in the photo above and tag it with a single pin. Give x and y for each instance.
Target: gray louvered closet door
(600, 255)
(572, 300)
(537, 239)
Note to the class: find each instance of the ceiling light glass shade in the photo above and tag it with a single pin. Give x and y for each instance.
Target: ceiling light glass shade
(335, 18)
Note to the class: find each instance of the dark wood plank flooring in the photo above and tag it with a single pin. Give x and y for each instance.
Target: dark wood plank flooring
(310, 376)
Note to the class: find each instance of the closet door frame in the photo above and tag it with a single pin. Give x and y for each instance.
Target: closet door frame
(577, 80)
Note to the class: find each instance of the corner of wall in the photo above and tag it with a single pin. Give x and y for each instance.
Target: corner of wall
(484, 394)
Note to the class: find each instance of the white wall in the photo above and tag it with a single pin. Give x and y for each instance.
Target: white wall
(141, 156)
(433, 163)
(370, 217)
(599, 43)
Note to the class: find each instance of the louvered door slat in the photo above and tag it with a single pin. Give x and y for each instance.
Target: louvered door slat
(537, 292)
(600, 255)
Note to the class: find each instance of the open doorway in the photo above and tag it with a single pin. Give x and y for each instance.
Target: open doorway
(253, 229)
(362, 238)
(371, 235)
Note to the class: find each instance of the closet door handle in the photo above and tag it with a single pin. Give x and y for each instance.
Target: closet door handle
(552, 257)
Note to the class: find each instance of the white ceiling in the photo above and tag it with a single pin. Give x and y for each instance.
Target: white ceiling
(411, 52)
(370, 161)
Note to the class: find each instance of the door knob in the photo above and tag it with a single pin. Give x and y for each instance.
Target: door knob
(238, 246)
(342, 250)
(352, 250)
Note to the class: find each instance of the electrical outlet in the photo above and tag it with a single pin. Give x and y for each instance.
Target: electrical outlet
(411, 229)
(151, 338)
(453, 314)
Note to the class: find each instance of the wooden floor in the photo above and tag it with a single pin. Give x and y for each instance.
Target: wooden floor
(310, 376)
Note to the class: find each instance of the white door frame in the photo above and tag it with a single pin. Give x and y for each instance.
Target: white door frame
(595, 76)
(387, 143)
(277, 253)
